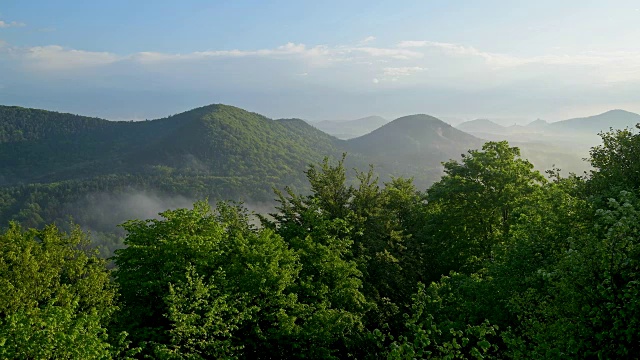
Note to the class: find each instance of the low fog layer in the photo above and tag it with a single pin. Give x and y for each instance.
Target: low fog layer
(101, 213)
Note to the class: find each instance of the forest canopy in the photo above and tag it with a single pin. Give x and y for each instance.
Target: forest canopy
(494, 260)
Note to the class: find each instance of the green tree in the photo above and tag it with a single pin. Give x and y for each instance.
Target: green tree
(472, 208)
(573, 269)
(435, 328)
(202, 284)
(588, 306)
(56, 298)
(328, 230)
(616, 164)
(369, 227)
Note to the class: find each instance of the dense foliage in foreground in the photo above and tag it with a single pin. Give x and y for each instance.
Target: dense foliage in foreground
(492, 261)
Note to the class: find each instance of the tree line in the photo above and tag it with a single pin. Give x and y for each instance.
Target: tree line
(494, 260)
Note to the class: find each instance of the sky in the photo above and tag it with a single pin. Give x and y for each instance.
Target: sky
(514, 61)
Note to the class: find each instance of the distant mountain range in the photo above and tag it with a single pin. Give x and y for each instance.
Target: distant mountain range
(50, 162)
(563, 143)
(616, 119)
(53, 164)
(350, 128)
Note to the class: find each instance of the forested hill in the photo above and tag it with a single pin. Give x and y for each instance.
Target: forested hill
(43, 146)
(482, 126)
(229, 141)
(22, 124)
(421, 140)
(39, 146)
(52, 164)
(57, 164)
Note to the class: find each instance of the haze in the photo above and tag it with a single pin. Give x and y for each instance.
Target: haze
(458, 60)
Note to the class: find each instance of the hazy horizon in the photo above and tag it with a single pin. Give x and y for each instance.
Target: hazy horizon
(457, 60)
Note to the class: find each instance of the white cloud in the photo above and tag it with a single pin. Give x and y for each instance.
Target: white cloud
(288, 49)
(453, 48)
(4, 24)
(619, 66)
(368, 39)
(54, 57)
(402, 71)
(330, 54)
(399, 54)
(412, 43)
(360, 62)
(375, 80)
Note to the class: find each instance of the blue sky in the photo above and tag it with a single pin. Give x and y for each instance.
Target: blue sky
(512, 60)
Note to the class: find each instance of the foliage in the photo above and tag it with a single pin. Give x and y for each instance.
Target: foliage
(472, 208)
(215, 279)
(616, 163)
(57, 298)
(595, 286)
(319, 228)
(433, 336)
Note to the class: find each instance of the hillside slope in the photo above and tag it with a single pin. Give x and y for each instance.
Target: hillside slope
(54, 165)
(481, 126)
(617, 119)
(43, 146)
(421, 135)
(229, 141)
(414, 145)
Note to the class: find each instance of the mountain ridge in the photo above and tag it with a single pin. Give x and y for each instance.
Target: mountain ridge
(37, 142)
(616, 118)
(481, 125)
(215, 151)
(418, 140)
